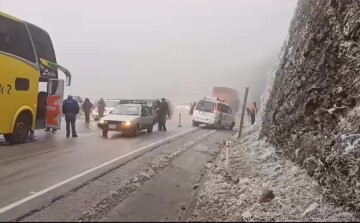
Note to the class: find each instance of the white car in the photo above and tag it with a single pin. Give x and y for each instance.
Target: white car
(185, 105)
(129, 119)
(110, 105)
(213, 112)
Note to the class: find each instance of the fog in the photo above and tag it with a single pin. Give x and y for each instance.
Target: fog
(152, 48)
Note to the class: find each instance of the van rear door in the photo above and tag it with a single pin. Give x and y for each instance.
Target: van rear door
(205, 111)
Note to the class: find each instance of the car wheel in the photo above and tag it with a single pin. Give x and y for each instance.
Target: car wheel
(218, 125)
(21, 130)
(150, 129)
(195, 124)
(232, 126)
(105, 133)
(136, 131)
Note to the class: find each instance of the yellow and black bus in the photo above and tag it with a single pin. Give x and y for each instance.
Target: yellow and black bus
(27, 58)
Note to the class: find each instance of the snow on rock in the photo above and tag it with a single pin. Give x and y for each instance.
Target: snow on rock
(312, 115)
(232, 195)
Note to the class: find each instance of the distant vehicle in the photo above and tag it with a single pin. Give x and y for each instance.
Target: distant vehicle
(129, 119)
(185, 105)
(229, 95)
(214, 112)
(110, 105)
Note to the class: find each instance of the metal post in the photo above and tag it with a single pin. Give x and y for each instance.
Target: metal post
(179, 120)
(243, 112)
(227, 154)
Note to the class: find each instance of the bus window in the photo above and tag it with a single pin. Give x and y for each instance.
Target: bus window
(14, 39)
(43, 45)
(22, 84)
(44, 49)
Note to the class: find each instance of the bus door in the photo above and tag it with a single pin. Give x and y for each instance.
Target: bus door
(54, 103)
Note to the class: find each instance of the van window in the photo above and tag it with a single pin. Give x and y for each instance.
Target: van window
(15, 39)
(205, 106)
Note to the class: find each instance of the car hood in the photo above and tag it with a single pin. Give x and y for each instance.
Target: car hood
(123, 118)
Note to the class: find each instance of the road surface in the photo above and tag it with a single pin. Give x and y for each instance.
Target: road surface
(34, 174)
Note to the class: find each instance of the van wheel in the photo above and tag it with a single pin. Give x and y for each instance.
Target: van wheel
(195, 124)
(150, 129)
(232, 126)
(218, 125)
(21, 130)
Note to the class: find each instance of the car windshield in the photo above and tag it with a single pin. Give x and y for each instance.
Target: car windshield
(126, 110)
(111, 103)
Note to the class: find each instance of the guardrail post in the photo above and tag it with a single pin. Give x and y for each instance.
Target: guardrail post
(227, 154)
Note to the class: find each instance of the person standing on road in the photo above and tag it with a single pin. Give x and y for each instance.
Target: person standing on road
(163, 111)
(87, 106)
(70, 109)
(192, 108)
(156, 105)
(101, 107)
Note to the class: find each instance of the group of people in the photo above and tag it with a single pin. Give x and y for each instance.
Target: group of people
(71, 108)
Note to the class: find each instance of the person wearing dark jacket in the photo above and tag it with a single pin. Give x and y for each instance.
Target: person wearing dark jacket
(192, 108)
(87, 106)
(101, 107)
(70, 109)
(163, 111)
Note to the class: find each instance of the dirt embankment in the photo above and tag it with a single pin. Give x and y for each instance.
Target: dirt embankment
(313, 112)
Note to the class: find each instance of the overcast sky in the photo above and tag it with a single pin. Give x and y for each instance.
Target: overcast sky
(153, 48)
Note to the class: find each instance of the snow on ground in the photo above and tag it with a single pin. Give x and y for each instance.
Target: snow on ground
(232, 195)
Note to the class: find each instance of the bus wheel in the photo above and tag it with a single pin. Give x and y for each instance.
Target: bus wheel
(21, 130)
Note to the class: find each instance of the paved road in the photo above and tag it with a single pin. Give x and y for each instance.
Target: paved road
(51, 158)
(52, 178)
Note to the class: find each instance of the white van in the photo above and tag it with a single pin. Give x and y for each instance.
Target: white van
(212, 111)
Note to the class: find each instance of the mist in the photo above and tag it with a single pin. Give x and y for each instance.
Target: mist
(151, 48)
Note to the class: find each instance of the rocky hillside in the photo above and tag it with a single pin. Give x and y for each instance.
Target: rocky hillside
(313, 112)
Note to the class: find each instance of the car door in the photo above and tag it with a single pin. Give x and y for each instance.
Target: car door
(146, 119)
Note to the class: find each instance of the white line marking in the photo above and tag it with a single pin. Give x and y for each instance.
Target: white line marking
(37, 194)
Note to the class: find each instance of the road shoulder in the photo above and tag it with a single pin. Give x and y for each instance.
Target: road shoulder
(167, 195)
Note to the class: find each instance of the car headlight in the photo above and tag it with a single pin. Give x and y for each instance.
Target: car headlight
(127, 123)
(103, 121)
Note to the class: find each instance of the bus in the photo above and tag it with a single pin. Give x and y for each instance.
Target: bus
(27, 60)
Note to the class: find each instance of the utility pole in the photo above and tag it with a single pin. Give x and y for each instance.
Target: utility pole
(243, 112)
